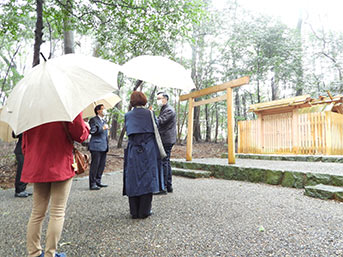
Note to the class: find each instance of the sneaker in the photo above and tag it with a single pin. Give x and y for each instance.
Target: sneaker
(60, 255)
(170, 189)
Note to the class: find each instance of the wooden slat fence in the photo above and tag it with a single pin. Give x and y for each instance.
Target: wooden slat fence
(293, 133)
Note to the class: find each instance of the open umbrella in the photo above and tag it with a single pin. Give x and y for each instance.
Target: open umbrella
(160, 71)
(108, 101)
(5, 131)
(58, 90)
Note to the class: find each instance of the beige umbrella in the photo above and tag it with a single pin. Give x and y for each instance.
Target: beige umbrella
(109, 101)
(58, 90)
(5, 131)
(160, 71)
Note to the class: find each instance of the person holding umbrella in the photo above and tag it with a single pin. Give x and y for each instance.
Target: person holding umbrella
(48, 165)
(46, 105)
(141, 158)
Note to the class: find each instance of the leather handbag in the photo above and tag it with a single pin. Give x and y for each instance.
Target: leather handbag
(158, 138)
(81, 161)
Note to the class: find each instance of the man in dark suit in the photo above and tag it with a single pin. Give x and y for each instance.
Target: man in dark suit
(98, 146)
(166, 122)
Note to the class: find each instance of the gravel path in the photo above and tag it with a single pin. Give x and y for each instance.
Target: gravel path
(314, 167)
(203, 217)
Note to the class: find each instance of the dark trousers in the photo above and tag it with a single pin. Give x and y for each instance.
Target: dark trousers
(97, 167)
(19, 186)
(167, 171)
(140, 206)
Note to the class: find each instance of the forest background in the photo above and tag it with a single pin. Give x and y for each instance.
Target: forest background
(217, 44)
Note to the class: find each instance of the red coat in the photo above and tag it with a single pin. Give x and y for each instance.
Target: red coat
(48, 153)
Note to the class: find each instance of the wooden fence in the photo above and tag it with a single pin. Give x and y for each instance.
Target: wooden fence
(292, 133)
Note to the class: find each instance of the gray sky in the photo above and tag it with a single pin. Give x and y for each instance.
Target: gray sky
(327, 13)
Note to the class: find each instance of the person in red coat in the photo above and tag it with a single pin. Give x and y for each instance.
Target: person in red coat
(48, 165)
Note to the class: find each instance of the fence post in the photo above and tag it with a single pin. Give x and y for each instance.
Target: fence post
(328, 133)
(295, 142)
(260, 134)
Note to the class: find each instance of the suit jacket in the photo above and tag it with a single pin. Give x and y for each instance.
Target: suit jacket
(48, 152)
(166, 122)
(99, 138)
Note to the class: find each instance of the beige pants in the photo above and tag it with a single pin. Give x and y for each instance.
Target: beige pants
(57, 194)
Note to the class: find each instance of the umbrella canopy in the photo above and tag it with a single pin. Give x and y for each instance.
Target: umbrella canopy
(159, 71)
(5, 131)
(108, 101)
(58, 90)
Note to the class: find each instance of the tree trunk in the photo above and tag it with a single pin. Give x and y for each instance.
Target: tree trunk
(180, 124)
(217, 125)
(196, 124)
(208, 124)
(11, 66)
(275, 89)
(115, 125)
(244, 104)
(121, 137)
(152, 97)
(258, 91)
(38, 32)
(67, 26)
(299, 72)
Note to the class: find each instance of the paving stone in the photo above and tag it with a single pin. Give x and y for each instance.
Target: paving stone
(191, 173)
(324, 192)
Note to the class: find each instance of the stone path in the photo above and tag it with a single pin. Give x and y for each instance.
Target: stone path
(313, 167)
(203, 217)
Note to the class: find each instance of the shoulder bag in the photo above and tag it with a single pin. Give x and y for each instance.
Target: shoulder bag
(158, 138)
(81, 161)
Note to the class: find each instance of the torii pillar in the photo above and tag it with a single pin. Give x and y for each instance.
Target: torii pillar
(228, 86)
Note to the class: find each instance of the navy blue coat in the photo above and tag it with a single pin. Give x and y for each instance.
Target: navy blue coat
(99, 138)
(142, 163)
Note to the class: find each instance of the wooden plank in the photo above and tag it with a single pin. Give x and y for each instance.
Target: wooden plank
(189, 147)
(211, 100)
(283, 102)
(210, 90)
(239, 126)
(230, 128)
(259, 134)
(328, 133)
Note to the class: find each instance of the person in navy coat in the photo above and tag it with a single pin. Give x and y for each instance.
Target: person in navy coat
(142, 163)
(98, 146)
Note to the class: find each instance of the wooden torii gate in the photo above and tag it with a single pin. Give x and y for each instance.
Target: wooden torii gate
(228, 86)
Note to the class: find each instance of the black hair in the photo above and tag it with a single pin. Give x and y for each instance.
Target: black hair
(164, 95)
(97, 108)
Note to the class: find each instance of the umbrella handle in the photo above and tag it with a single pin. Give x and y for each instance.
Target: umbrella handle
(43, 56)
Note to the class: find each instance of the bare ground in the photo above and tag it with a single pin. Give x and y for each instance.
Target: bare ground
(114, 158)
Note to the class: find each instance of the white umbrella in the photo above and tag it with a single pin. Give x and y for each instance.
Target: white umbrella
(5, 131)
(108, 101)
(160, 71)
(58, 90)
